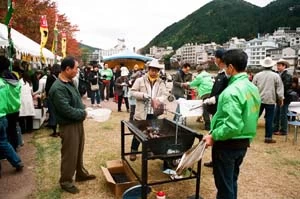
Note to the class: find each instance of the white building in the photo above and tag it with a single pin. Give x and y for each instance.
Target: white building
(195, 54)
(257, 50)
(159, 52)
(289, 54)
(120, 47)
(236, 43)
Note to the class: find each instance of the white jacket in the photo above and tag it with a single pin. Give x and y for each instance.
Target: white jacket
(142, 88)
(27, 106)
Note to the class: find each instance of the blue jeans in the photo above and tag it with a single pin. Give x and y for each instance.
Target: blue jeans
(269, 116)
(281, 119)
(226, 169)
(97, 94)
(6, 150)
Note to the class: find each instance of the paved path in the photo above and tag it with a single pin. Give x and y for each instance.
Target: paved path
(19, 185)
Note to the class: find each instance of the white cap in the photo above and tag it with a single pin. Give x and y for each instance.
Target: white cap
(155, 64)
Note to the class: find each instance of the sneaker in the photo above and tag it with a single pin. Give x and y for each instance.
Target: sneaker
(280, 133)
(270, 141)
(70, 188)
(85, 178)
(132, 157)
(99, 105)
(208, 164)
(93, 105)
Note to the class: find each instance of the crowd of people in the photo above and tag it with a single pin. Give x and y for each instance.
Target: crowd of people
(232, 103)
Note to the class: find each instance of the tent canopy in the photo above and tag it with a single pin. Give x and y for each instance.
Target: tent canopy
(22, 43)
(127, 58)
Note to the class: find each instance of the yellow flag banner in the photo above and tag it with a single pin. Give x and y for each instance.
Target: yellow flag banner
(54, 44)
(63, 44)
(44, 34)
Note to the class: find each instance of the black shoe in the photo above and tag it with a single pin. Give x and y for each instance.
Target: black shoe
(20, 167)
(208, 164)
(270, 141)
(70, 188)
(53, 134)
(85, 178)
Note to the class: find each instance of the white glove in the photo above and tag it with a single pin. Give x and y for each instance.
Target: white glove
(211, 100)
(146, 96)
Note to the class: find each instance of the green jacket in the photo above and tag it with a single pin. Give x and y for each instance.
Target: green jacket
(10, 96)
(237, 110)
(107, 73)
(66, 100)
(203, 82)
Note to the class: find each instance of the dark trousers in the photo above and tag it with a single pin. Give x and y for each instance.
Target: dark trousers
(52, 120)
(281, 119)
(269, 116)
(26, 123)
(72, 140)
(226, 169)
(120, 100)
(12, 134)
(135, 143)
(132, 111)
(105, 86)
(95, 95)
(206, 116)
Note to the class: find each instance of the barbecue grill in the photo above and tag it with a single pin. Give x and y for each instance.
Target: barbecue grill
(172, 141)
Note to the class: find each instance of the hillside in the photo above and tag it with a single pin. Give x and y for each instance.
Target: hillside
(220, 20)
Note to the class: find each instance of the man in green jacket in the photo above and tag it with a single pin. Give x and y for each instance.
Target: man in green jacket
(10, 103)
(106, 75)
(234, 124)
(70, 114)
(204, 83)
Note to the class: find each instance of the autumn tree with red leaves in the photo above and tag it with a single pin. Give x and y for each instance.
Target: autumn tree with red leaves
(26, 19)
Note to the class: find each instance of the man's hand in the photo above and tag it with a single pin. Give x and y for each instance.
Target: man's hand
(280, 102)
(209, 101)
(146, 97)
(208, 140)
(185, 85)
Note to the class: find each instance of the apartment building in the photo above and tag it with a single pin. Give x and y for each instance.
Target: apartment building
(257, 50)
(159, 52)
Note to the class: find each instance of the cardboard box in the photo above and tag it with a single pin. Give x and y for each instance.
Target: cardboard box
(119, 167)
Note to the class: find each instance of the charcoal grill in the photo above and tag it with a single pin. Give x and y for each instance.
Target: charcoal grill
(173, 141)
(166, 142)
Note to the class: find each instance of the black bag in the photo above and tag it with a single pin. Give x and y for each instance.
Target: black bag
(82, 87)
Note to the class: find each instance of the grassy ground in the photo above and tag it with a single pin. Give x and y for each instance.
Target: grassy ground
(268, 170)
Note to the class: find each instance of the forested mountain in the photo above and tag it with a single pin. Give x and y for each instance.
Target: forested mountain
(220, 20)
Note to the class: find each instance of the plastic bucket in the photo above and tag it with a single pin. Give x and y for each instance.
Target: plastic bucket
(100, 115)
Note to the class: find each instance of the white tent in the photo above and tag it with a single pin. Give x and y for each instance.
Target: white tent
(22, 43)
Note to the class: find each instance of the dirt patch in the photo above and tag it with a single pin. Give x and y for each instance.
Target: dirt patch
(19, 185)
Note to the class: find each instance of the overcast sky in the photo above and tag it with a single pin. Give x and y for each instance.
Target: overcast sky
(101, 23)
